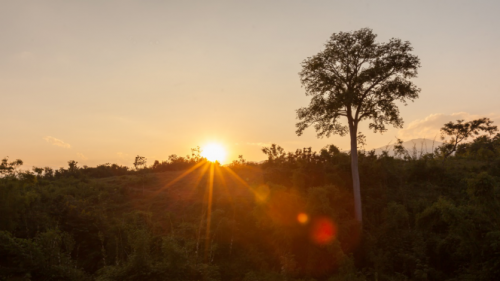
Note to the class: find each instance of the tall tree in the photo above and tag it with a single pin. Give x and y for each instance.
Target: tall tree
(354, 79)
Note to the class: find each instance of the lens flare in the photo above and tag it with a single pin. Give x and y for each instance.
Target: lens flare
(302, 218)
(324, 231)
(262, 193)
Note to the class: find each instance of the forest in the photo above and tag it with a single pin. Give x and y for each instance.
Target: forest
(426, 216)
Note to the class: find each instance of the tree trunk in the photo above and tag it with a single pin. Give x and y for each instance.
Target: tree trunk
(355, 174)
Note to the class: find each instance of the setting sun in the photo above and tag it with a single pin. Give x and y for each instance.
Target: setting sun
(214, 152)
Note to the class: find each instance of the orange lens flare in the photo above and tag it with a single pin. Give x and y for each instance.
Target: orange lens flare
(324, 231)
(261, 193)
(302, 218)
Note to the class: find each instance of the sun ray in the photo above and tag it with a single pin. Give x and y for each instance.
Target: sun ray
(187, 172)
(209, 211)
(220, 176)
(219, 172)
(238, 178)
(213, 169)
(204, 169)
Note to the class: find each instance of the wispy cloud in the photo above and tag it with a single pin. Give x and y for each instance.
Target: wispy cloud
(81, 156)
(430, 126)
(56, 142)
(122, 155)
(258, 143)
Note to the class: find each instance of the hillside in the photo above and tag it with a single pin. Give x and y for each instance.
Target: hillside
(176, 191)
(288, 218)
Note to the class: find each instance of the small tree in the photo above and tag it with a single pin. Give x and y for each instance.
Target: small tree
(72, 167)
(140, 162)
(461, 131)
(9, 168)
(355, 78)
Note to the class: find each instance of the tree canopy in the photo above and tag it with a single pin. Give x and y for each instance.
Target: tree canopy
(357, 78)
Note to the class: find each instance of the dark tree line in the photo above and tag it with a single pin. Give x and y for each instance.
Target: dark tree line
(425, 219)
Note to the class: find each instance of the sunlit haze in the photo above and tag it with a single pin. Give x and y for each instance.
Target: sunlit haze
(103, 81)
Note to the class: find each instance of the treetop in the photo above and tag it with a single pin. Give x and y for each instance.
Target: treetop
(359, 78)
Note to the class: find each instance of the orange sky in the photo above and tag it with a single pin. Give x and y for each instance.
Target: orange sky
(103, 81)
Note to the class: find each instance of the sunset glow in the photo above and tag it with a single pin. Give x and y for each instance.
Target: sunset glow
(250, 140)
(214, 152)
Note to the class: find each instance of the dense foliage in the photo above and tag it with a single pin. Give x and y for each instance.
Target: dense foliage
(288, 218)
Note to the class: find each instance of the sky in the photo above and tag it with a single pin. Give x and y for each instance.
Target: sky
(103, 81)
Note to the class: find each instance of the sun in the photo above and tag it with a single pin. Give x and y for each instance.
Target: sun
(214, 152)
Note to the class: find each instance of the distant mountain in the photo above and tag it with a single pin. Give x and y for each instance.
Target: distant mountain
(421, 146)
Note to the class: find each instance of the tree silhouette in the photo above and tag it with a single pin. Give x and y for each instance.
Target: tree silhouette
(140, 162)
(358, 79)
(9, 167)
(462, 131)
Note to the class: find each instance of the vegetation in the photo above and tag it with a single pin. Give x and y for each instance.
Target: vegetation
(462, 131)
(291, 217)
(355, 78)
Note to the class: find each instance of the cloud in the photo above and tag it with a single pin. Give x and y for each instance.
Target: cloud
(430, 126)
(258, 143)
(81, 156)
(56, 142)
(122, 155)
